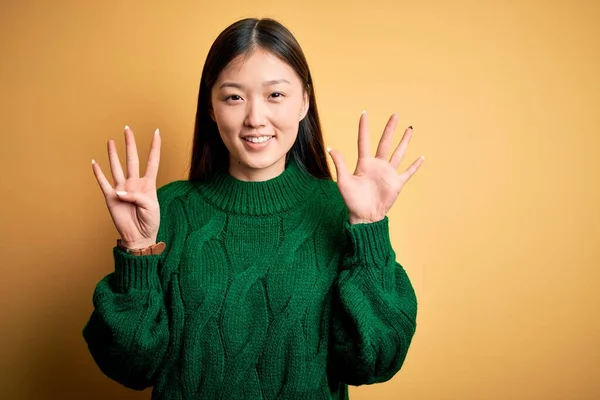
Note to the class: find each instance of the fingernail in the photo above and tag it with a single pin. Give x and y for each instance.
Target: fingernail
(410, 127)
(364, 111)
(93, 162)
(121, 193)
(328, 149)
(422, 157)
(156, 132)
(126, 127)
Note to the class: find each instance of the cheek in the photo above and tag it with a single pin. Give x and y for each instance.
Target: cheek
(287, 118)
(228, 121)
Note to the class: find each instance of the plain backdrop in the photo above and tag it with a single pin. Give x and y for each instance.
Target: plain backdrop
(499, 230)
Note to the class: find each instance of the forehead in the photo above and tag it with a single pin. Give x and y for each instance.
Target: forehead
(257, 67)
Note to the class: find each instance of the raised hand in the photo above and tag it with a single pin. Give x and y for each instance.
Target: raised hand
(133, 201)
(371, 191)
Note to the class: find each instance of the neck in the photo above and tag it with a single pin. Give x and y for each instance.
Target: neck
(285, 191)
(248, 174)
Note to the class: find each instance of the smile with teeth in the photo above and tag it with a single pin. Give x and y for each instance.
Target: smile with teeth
(260, 139)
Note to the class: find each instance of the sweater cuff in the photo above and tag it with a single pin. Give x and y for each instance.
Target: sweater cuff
(135, 272)
(370, 243)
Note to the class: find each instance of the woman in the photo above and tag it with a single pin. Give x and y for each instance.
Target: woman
(258, 277)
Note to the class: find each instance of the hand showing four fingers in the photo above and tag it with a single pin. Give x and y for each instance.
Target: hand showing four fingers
(133, 201)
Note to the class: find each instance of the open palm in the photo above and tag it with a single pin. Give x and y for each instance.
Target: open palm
(372, 189)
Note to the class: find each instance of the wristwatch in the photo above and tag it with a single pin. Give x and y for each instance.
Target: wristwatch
(155, 249)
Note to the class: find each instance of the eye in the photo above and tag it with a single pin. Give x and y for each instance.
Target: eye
(277, 95)
(233, 97)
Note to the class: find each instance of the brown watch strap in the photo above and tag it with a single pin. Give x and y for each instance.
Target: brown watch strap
(155, 249)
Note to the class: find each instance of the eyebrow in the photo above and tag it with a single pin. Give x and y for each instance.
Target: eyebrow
(266, 83)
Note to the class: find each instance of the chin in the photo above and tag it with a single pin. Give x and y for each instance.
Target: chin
(261, 162)
(257, 162)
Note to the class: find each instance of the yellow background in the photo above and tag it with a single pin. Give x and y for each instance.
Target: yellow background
(499, 230)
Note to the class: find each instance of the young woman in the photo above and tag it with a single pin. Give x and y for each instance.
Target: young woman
(258, 277)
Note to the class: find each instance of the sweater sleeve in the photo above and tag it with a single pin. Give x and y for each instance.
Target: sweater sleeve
(128, 331)
(374, 308)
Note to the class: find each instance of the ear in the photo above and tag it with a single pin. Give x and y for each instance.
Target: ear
(305, 106)
(211, 112)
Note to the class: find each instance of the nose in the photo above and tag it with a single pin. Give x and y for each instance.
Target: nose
(256, 114)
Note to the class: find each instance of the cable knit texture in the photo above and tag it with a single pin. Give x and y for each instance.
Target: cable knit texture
(265, 291)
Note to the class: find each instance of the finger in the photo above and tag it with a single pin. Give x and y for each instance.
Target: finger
(154, 157)
(383, 149)
(364, 147)
(341, 168)
(401, 149)
(410, 171)
(133, 162)
(115, 164)
(105, 186)
(136, 198)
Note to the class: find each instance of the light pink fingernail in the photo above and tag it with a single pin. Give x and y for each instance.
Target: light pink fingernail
(93, 162)
(328, 149)
(126, 127)
(121, 193)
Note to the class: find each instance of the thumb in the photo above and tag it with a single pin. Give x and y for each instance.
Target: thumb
(338, 161)
(136, 198)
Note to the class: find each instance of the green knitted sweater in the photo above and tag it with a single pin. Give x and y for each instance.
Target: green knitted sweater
(264, 291)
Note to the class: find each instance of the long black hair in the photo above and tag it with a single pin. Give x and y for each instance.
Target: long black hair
(209, 154)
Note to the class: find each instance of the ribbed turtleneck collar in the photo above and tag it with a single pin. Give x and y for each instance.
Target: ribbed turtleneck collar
(281, 193)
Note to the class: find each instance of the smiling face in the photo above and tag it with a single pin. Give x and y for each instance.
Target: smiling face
(258, 102)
